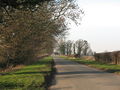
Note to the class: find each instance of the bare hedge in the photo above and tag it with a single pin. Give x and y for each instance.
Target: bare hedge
(108, 57)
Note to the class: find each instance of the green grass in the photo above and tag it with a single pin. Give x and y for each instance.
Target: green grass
(107, 67)
(30, 77)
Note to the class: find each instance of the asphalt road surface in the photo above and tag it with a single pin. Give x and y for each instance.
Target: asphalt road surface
(73, 76)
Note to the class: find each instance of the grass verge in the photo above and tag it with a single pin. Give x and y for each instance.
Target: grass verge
(31, 77)
(103, 66)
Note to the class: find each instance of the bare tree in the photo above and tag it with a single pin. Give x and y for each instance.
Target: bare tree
(26, 31)
(74, 49)
(79, 45)
(62, 47)
(69, 47)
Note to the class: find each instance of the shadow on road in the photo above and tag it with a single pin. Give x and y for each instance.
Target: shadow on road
(61, 62)
(81, 72)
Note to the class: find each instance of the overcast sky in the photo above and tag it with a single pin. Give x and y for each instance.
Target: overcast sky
(100, 25)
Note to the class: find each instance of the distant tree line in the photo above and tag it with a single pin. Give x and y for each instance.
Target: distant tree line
(29, 28)
(77, 48)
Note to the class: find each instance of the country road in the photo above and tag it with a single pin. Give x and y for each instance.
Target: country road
(73, 76)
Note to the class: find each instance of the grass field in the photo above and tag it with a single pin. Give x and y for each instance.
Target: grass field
(31, 77)
(103, 66)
